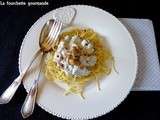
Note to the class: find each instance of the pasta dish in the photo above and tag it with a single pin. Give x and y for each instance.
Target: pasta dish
(79, 56)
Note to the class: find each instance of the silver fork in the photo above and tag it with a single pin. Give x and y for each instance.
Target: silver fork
(29, 103)
(45, 45)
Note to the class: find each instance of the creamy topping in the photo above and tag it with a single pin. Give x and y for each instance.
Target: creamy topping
(75, 56)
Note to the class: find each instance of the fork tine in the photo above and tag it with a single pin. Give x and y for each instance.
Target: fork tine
(53, 29)
(52, 32)
(60, 26)
(45, 42)
(56, 33)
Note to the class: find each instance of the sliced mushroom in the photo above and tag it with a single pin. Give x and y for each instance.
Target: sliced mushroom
(88, 60)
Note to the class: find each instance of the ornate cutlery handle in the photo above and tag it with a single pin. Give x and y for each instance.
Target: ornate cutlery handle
(10, 91)
(29, 103)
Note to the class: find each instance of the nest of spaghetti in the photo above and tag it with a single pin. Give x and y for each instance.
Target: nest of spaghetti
(80, 55)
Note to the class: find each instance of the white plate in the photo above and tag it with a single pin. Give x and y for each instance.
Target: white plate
(114, 88)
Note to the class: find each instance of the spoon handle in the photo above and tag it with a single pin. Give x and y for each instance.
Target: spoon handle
(10, 91)
(29, 103)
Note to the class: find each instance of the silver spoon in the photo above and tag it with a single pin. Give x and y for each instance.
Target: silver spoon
(45, 45)
(29, 103)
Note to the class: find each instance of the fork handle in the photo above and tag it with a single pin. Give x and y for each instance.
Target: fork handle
(29, 103)
(10, 91)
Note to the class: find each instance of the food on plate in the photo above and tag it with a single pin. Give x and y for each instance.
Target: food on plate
(78, 57)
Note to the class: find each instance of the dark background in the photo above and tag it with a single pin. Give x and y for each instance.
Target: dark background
(16, 21)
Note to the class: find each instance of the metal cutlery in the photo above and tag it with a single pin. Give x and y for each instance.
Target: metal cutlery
(47, 37)
(29, 103)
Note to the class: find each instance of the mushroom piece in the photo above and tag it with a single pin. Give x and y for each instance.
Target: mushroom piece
(87, 46)
(88, 60)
